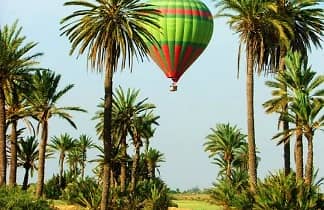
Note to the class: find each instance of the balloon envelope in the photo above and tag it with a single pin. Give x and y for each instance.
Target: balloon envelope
(186, 29)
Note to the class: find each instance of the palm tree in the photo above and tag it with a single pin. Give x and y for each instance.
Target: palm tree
(225, 140)
(141, 128)
(307, 25)
(125, 111)
(43, 104)
(62, 144)
(113, 32)
(301, 86)
(15, 63)
(279, 104)
(84, 143)
(254, 22)
(27, 154)
(308, 111)
(153, 157)
(16, 109)
(74, 160)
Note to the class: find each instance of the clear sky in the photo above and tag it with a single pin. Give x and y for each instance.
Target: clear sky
(208, 93)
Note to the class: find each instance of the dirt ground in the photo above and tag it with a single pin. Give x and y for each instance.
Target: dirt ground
(66, 207)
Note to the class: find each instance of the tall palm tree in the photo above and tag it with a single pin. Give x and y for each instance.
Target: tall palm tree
(62, 144)
(43, 100)
(225, 140)
(305, 102)
(15, 63)
(279, 104)
(16, 109)
(84, 143)
(254, 21)
(307, 24)
(299, 80)
(141, 128)
(27, 154)
(308, 111)
(153, 157)
(113, 32)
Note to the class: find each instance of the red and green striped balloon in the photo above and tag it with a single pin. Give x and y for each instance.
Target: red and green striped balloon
(186, 29)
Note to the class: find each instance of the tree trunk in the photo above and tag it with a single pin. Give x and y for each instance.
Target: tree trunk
(286, 151)
(299, 155)
(151, 169)
(123, 148)
(83, 163)
(25, 182)
(41, 159)
(252, 170)
(3, 156)
(309, 164)
(13, 153)
(135, 165)
(105, 198)
(61, 168)
(283, 53)
(228, 169)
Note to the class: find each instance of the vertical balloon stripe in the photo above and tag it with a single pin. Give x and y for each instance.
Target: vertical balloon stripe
(166, 52)
(177, 53)
(156, 56)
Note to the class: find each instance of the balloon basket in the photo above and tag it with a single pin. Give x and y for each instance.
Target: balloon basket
(173, 87)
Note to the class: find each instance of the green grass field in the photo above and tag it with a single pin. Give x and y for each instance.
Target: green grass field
(196, 205)
(194, 201)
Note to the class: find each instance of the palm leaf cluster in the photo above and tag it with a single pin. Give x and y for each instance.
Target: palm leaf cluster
(112, 33)
(133, 120)
(300, 89)
(268, 29)
(27, 92)
(227, 146)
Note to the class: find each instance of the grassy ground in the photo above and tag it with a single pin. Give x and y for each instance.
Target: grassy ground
(196, 205)
(194, 202)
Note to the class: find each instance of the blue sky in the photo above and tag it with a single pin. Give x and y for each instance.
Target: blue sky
(208, 93)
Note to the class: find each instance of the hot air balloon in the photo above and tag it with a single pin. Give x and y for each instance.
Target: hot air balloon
(186, 27)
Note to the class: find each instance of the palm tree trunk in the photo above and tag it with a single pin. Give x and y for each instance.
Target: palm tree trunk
(228, 169)
(123, 147)
(83, 164)
(13, 153)
(61, 168)
(25, 182)
(299, 155)
(286, 150)
(151, 169)
(108, 83)
(41, 159)
(135, 165)
(3, 158)
(283, 53)
(309, 163)
(252, 170)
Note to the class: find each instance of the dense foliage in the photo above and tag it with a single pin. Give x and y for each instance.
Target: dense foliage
(16, 199)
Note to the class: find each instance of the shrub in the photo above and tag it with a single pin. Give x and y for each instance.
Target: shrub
(85, 192)
(152, 194)
(233, 193)
(52, 189)
(283, 193)
(16, 199)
